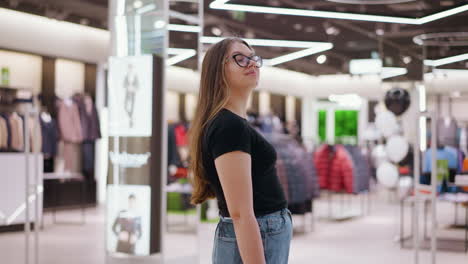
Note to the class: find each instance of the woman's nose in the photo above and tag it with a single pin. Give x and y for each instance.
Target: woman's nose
(251, 63)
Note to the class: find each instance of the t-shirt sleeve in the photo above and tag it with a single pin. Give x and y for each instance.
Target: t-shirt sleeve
(228, 137)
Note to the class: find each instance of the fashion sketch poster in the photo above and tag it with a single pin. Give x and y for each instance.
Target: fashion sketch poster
(130, 96)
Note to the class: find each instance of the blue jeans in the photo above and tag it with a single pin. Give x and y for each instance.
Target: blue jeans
(276, 232)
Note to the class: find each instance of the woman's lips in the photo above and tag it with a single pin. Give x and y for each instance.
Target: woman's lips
(252, 72)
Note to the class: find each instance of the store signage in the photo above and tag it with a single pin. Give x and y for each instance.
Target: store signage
(127, 160)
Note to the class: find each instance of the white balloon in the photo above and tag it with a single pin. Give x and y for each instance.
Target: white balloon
(387, 175)
(387, 123)
(371, 133)
(397, 147)
(379, 155)
(405, 185)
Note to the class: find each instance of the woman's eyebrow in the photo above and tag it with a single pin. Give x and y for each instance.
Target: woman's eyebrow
(238, 52)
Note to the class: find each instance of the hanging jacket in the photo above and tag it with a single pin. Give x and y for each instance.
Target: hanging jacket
(446, 153)
(35, 134)
(173, 155)
(89, 119)
(8, 130)
(361, 173)
(17, 132)
(322, 157)
(447, 132)
(69, 122)
(181, 135)
(49, 137)
(341, 173)
(3, 134)
(310, 172)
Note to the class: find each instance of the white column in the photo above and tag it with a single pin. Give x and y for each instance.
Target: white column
(264, 104)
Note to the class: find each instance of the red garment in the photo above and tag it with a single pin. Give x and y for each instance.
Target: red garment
(180, 135)
(341, 173)
(181, 173)
(404, 170)
(322, 158)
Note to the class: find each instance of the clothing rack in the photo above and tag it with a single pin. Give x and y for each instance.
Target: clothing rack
(349, 180)
(9, 99)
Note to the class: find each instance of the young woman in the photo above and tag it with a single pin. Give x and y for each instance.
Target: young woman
(231, 161)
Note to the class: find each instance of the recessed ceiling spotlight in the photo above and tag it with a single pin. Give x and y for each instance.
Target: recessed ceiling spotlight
(407, 59)
(297, 26)
(379, 32)
(332, 31)
(137, 4)
(321, 59)
(216, 31)
(309, 29)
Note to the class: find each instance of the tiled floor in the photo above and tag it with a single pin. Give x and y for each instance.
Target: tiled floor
(364, 240)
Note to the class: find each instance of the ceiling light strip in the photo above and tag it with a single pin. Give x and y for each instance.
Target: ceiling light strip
(389, 72)
(312, 13)
(443, 14)
(146, 9)
(310, 47)
(269, 42)
(183, 28)
(445, 61)
(185, 17)
(299, 54)
(222, 4)
(181, 55)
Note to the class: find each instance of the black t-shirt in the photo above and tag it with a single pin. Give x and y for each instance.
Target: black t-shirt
(229, 132)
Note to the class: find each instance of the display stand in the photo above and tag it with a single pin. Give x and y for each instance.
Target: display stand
(137, 171)
(60, 177)
(345, 211)
(432, 189)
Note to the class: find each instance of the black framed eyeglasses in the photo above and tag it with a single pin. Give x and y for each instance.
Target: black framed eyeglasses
(244, 61)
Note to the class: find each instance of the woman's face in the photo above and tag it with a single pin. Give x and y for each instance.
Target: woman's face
(237, 76)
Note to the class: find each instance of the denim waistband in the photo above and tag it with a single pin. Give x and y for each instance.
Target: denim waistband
(277, 213)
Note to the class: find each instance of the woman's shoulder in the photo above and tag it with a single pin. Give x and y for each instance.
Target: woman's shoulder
(226, 121)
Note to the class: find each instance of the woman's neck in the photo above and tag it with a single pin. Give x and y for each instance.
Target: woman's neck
(238, 104)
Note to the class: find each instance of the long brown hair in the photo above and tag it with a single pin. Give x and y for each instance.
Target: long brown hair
(212, 97)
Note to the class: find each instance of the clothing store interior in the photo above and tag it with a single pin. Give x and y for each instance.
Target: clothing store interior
(365, 102)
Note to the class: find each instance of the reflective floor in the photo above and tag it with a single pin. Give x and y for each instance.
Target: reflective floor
(363, 240)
